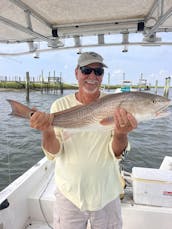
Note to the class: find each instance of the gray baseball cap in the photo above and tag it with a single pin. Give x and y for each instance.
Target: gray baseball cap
(90, 58)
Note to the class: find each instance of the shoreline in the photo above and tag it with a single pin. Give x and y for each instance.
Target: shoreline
(11, 89)
(23, 89)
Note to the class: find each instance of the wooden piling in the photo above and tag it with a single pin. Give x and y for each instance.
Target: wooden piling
(27, 86)
(156, 87)
(166, 87)
(108, 81)
(61, 84)
(42, 81)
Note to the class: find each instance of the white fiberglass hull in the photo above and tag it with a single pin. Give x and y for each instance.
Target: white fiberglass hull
(31, 199)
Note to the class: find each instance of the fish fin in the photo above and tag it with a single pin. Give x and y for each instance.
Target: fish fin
(163, 114)
(107, 121)
(20, 110)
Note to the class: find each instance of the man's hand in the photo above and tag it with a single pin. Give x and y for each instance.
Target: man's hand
(124, 121)
(41, 121)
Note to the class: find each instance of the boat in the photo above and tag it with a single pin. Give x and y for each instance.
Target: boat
(125, 87)
(28, 201)
(45, 26)
(143, 84)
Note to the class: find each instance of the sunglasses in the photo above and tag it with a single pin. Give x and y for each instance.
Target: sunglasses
(87, 71)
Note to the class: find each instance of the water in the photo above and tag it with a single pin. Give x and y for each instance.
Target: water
(20, 146)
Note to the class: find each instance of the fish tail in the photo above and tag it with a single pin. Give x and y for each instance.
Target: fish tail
(19, 109)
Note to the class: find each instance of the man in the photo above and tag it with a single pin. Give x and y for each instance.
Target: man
(86, 173)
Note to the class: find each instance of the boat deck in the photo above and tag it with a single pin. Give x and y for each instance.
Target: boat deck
(147, 215)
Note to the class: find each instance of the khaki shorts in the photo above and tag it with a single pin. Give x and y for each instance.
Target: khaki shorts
(68, 216)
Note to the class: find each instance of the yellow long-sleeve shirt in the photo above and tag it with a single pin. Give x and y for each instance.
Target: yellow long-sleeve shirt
(86, 170)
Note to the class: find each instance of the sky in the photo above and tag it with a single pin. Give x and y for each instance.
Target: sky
(154, 63)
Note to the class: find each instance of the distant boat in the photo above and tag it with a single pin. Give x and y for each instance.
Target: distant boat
(125, 87)
(143, 84)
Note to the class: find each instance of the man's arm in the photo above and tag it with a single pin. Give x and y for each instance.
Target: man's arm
(119, 143)
(49, 141)
(42, 121)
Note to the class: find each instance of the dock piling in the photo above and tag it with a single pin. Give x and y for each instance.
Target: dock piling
(27, 86)
(166, 87)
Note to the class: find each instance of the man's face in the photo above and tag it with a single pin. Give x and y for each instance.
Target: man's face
(88, 80)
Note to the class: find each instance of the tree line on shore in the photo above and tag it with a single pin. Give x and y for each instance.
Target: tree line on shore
(40, 86)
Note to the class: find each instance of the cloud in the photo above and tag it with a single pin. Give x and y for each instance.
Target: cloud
(117, 72)
(164, 73)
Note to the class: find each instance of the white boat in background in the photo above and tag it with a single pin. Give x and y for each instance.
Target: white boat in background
(28, 201)
(126, 87)
(143, 84)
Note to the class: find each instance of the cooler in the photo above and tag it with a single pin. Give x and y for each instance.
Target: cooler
(152, 186)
